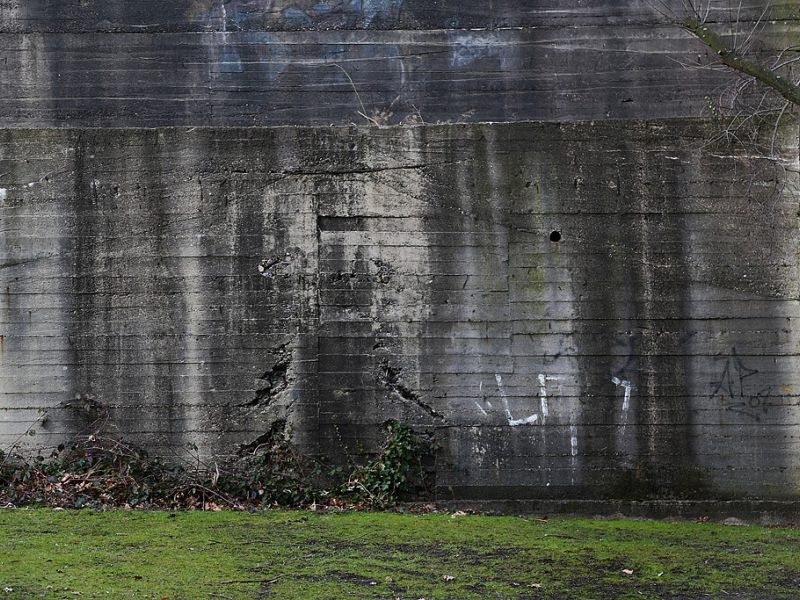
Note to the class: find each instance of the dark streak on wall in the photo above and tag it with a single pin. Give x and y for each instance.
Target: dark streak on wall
(209, 285)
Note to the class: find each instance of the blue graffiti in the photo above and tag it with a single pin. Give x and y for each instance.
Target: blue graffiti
(253, 50)
(466, 49)
(372, 10)
(253, 14)
(297, 18)
(242, 15)
(231, 62)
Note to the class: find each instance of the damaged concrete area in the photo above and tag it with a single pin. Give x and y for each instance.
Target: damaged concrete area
(211, 287)
(390, 377)
(275, 379)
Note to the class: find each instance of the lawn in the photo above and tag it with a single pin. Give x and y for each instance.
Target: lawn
(289, 554)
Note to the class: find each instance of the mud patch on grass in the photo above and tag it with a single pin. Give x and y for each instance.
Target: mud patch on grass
(352, 578)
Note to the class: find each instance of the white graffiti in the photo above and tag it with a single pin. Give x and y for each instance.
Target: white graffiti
(573, 451)
(500, 387)
(530, 420)
(543, 379)
(626, 401)
(526, 421)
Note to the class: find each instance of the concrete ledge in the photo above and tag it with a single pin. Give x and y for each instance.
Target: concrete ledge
(755, 511)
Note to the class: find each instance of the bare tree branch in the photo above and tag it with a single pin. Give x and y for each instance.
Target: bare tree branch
(739, 62)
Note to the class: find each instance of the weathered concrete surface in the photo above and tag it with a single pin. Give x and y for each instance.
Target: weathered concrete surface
(304, 15)
(203, 284)
(149, 63)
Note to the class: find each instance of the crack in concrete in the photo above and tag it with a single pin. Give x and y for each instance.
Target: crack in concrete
(390, 377)
(277, 429)
(276, 378)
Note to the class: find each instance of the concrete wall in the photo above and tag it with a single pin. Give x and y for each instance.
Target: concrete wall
(148, 63)
(204, 283)
(198, 286)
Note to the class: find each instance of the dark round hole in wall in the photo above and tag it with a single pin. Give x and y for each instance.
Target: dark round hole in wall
(555, 236)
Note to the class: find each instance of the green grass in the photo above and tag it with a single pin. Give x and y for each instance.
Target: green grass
(285, 554)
